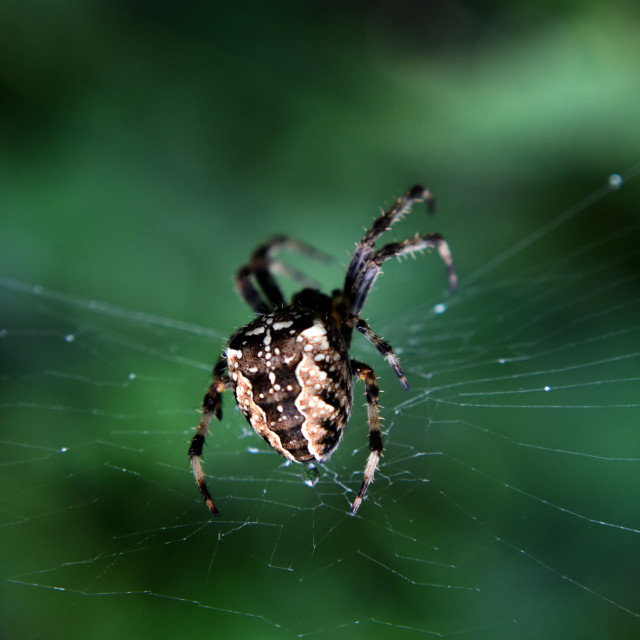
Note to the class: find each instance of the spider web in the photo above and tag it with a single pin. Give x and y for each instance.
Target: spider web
(505, 505)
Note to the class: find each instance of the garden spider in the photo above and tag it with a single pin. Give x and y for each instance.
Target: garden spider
(290, 370)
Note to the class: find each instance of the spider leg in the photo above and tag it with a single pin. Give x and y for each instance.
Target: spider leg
(281, 269)
(262, 266)
(367, 375)
(211, 405)
(249, 293)
(371, 267)
(365, 247)
(383, 347)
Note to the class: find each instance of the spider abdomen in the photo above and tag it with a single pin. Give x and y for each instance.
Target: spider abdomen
(291, 377)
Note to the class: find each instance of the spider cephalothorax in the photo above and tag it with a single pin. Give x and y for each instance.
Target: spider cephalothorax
(290, 370)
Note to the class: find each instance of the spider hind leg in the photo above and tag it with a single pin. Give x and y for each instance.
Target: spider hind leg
(367, 375)
(211, 406)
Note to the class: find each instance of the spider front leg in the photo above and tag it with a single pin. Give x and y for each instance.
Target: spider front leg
(370, 268)
(366, 374)
(364, 248)
(211, 405)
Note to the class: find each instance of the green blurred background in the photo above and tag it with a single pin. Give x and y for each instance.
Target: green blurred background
(147, 147)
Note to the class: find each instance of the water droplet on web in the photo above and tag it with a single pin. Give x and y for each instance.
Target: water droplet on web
(615, 181)
(547, 388)
(37, 289)
(132, 376)
(311, 475)
(440, 308)
(63, 449)
(69, 337)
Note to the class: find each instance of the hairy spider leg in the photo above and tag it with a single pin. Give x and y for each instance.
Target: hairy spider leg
(383, 347)
(262, 266)
(372, 266)
(364, 248)
(211, 405)
(367, 375)
(248, 292)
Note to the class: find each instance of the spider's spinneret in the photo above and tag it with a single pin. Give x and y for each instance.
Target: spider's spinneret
(290, 370)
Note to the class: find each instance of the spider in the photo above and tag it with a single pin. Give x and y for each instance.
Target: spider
(290, 370)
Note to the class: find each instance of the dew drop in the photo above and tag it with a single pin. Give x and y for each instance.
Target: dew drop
(547, 388)
(132, 376)
(440, 308)
(69, 337)
(615, 181)
(311, 475)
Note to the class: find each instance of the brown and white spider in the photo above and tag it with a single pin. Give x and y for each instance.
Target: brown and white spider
(290, 370)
